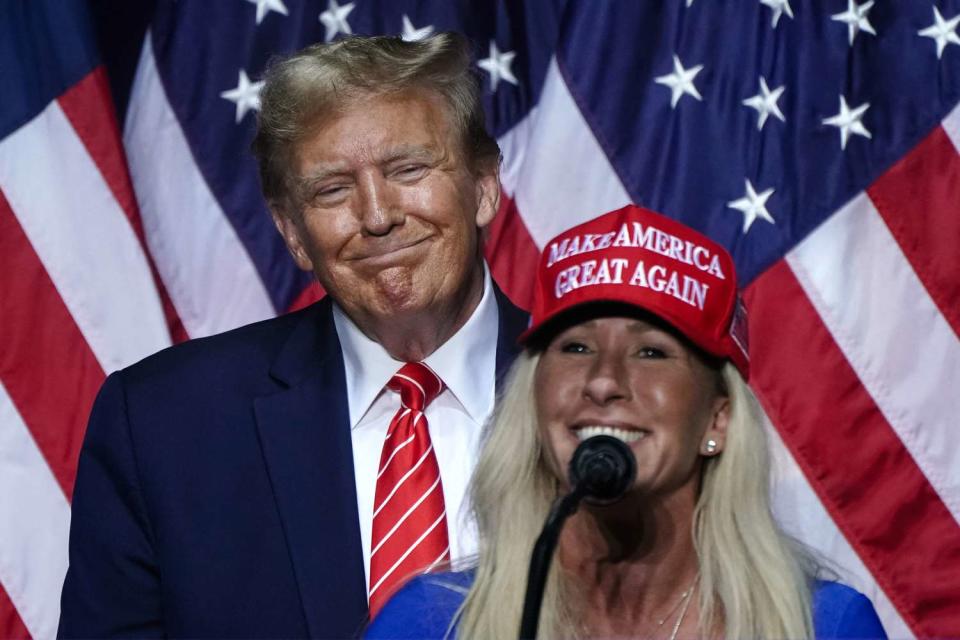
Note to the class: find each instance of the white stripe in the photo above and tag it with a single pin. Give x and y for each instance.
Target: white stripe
(34, 526)
(83, 239)
(802, 515)
(408, 552)
(567, 179)
(900, 346)
(433, 564)
(404, 517)
(513, 147)
(952, 126)
(417, 384)
(395, 424)
(207, 271)
(403, 479)
(395, 452)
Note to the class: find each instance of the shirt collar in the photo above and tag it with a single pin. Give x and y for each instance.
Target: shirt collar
(466, 362)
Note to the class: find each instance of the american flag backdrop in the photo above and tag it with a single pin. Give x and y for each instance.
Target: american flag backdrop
(818, 140)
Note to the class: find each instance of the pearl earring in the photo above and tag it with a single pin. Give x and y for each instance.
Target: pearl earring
(711, 446)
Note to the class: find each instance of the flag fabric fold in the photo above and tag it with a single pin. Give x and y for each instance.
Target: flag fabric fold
(818, 141)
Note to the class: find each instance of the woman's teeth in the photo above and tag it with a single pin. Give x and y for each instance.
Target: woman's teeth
(625, 435)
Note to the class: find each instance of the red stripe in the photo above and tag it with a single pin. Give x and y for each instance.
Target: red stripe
(512, 254)
(11, 626)
(308, 296)
(88, 107)
(46, 365)
(855, 462)
(919, 199)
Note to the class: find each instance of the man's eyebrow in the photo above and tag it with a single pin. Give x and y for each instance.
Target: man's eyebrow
(408, 152)
(319, 175)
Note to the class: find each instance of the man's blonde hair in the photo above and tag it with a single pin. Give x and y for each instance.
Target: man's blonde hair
(323, 79)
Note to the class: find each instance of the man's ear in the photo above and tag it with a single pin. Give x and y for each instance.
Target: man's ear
(488, 194)
(290, 232)
(715, 437)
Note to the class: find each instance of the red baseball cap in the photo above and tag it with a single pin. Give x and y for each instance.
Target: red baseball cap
(640, 258)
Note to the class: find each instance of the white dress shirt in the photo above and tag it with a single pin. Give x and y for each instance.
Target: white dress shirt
(467, 365)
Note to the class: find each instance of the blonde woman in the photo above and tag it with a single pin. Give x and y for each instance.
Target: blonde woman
(637, 332)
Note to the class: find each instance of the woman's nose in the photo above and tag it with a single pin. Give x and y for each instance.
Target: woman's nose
(606, 381)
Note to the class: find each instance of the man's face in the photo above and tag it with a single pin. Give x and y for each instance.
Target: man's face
(389, 210)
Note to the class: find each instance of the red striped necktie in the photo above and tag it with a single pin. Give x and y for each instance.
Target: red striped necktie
(409, 518)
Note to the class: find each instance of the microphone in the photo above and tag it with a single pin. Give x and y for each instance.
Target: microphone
(601, 470)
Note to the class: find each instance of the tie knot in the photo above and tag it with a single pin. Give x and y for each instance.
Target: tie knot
(417, 385)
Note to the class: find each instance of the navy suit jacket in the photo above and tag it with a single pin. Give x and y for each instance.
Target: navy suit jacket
(215, 493)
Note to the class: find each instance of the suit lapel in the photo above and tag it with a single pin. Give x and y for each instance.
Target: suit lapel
(305, 435)
(513, 322)
(304, 432)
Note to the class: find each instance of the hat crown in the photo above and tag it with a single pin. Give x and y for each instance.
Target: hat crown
(638, 257)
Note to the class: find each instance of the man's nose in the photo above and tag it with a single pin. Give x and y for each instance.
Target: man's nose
(378, 210)
(607, 380)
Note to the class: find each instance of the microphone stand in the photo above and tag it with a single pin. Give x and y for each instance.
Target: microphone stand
(602, 469)
(541, 557)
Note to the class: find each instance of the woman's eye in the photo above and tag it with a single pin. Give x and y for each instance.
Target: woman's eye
(651, 352)
(574, 347)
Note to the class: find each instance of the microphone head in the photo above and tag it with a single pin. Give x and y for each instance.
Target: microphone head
(602, 468)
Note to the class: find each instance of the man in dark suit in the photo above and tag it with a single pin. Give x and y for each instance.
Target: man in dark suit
(226, 485)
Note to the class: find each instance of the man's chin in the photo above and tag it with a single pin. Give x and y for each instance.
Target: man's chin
(389, 298)
(402, 292)
(396, 289)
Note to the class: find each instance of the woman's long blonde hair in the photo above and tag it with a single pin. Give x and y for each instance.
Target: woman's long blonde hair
(752, 577)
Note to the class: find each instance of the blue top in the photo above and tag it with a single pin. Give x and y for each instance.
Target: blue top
(424, 607)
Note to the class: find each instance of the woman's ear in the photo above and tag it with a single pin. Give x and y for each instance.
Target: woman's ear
(715, 437)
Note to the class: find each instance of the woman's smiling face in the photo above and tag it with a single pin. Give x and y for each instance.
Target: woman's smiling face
(631, 378)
